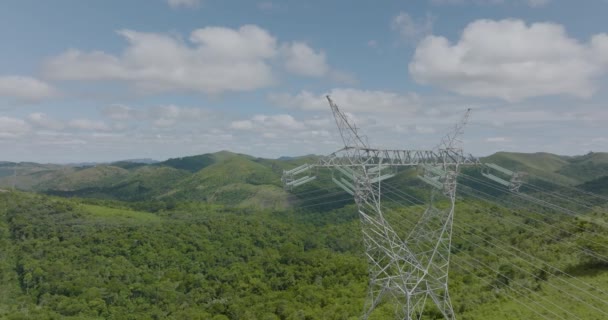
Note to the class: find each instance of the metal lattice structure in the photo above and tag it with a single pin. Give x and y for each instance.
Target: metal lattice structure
(516, 178)
(410, 269)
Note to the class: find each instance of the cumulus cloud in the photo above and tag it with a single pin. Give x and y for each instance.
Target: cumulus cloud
(511, 60)
(242, 125)
(410, 28)
(530, 3)
(159, 116)
(215, 60)
(25, 88)
(460, 2)
(424, 129)
(268, 6)
(212, 60)
(11, 127)
(303, 60)
(498, 139)
(88, 125)
(166, 116)
(354, 100)
(42, 120)
(537, 3)
(282, 130)
(266, 123)
(119, 112)
(300, 59)
(184, 3)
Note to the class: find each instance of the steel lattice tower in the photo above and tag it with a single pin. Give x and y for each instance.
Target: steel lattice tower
(410, 269)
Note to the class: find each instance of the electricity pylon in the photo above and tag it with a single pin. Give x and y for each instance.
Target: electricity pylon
(411, 270)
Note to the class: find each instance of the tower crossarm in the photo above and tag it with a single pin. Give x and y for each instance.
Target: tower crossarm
(355, 156)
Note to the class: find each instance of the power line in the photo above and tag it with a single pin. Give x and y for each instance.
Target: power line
(477, 232)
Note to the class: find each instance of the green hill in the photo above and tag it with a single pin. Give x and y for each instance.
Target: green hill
(222, 177)
(562, 170)
(83, 178)
(236, 180)
(94, 259)
(192, 163)
(26, 175)
(598, 186)
(544, 165)
(241, 180)
(587, 167)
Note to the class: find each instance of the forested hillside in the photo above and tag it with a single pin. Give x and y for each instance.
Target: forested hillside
(216, 236)
(101, 259)
(241, 180)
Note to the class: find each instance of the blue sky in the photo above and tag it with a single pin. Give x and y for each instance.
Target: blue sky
(110, 80)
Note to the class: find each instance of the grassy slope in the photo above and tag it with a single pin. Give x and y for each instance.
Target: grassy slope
(118, 216)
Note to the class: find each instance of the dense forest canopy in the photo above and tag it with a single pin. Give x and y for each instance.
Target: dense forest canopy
(231, 244)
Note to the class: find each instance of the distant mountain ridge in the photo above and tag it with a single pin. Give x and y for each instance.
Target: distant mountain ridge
(222, 177)
(242, 180)
(566, 170)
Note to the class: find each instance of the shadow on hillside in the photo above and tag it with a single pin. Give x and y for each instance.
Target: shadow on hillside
(588, 269)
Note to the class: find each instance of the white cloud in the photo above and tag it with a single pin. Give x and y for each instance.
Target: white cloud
(281, 132)
(11, 127)
(530, 3)
(184, 3)
(159, 116)
(300, 59)
(303, 60)
(353, 100)
(25, 88)
(267, 6)
(511, 60)
(460, 2)
(119, 112)
(88, 125)
(599, 48)
(166, 116)
(343, 77)
(411, 29)
(424, 129)
(319, 122)
(266, 123)
(498, 139)
(41, 120)
(215, 60)
(537, 3)
(242, 125)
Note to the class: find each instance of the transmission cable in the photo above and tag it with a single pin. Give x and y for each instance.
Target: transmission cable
(386, 208)
(519, 250)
